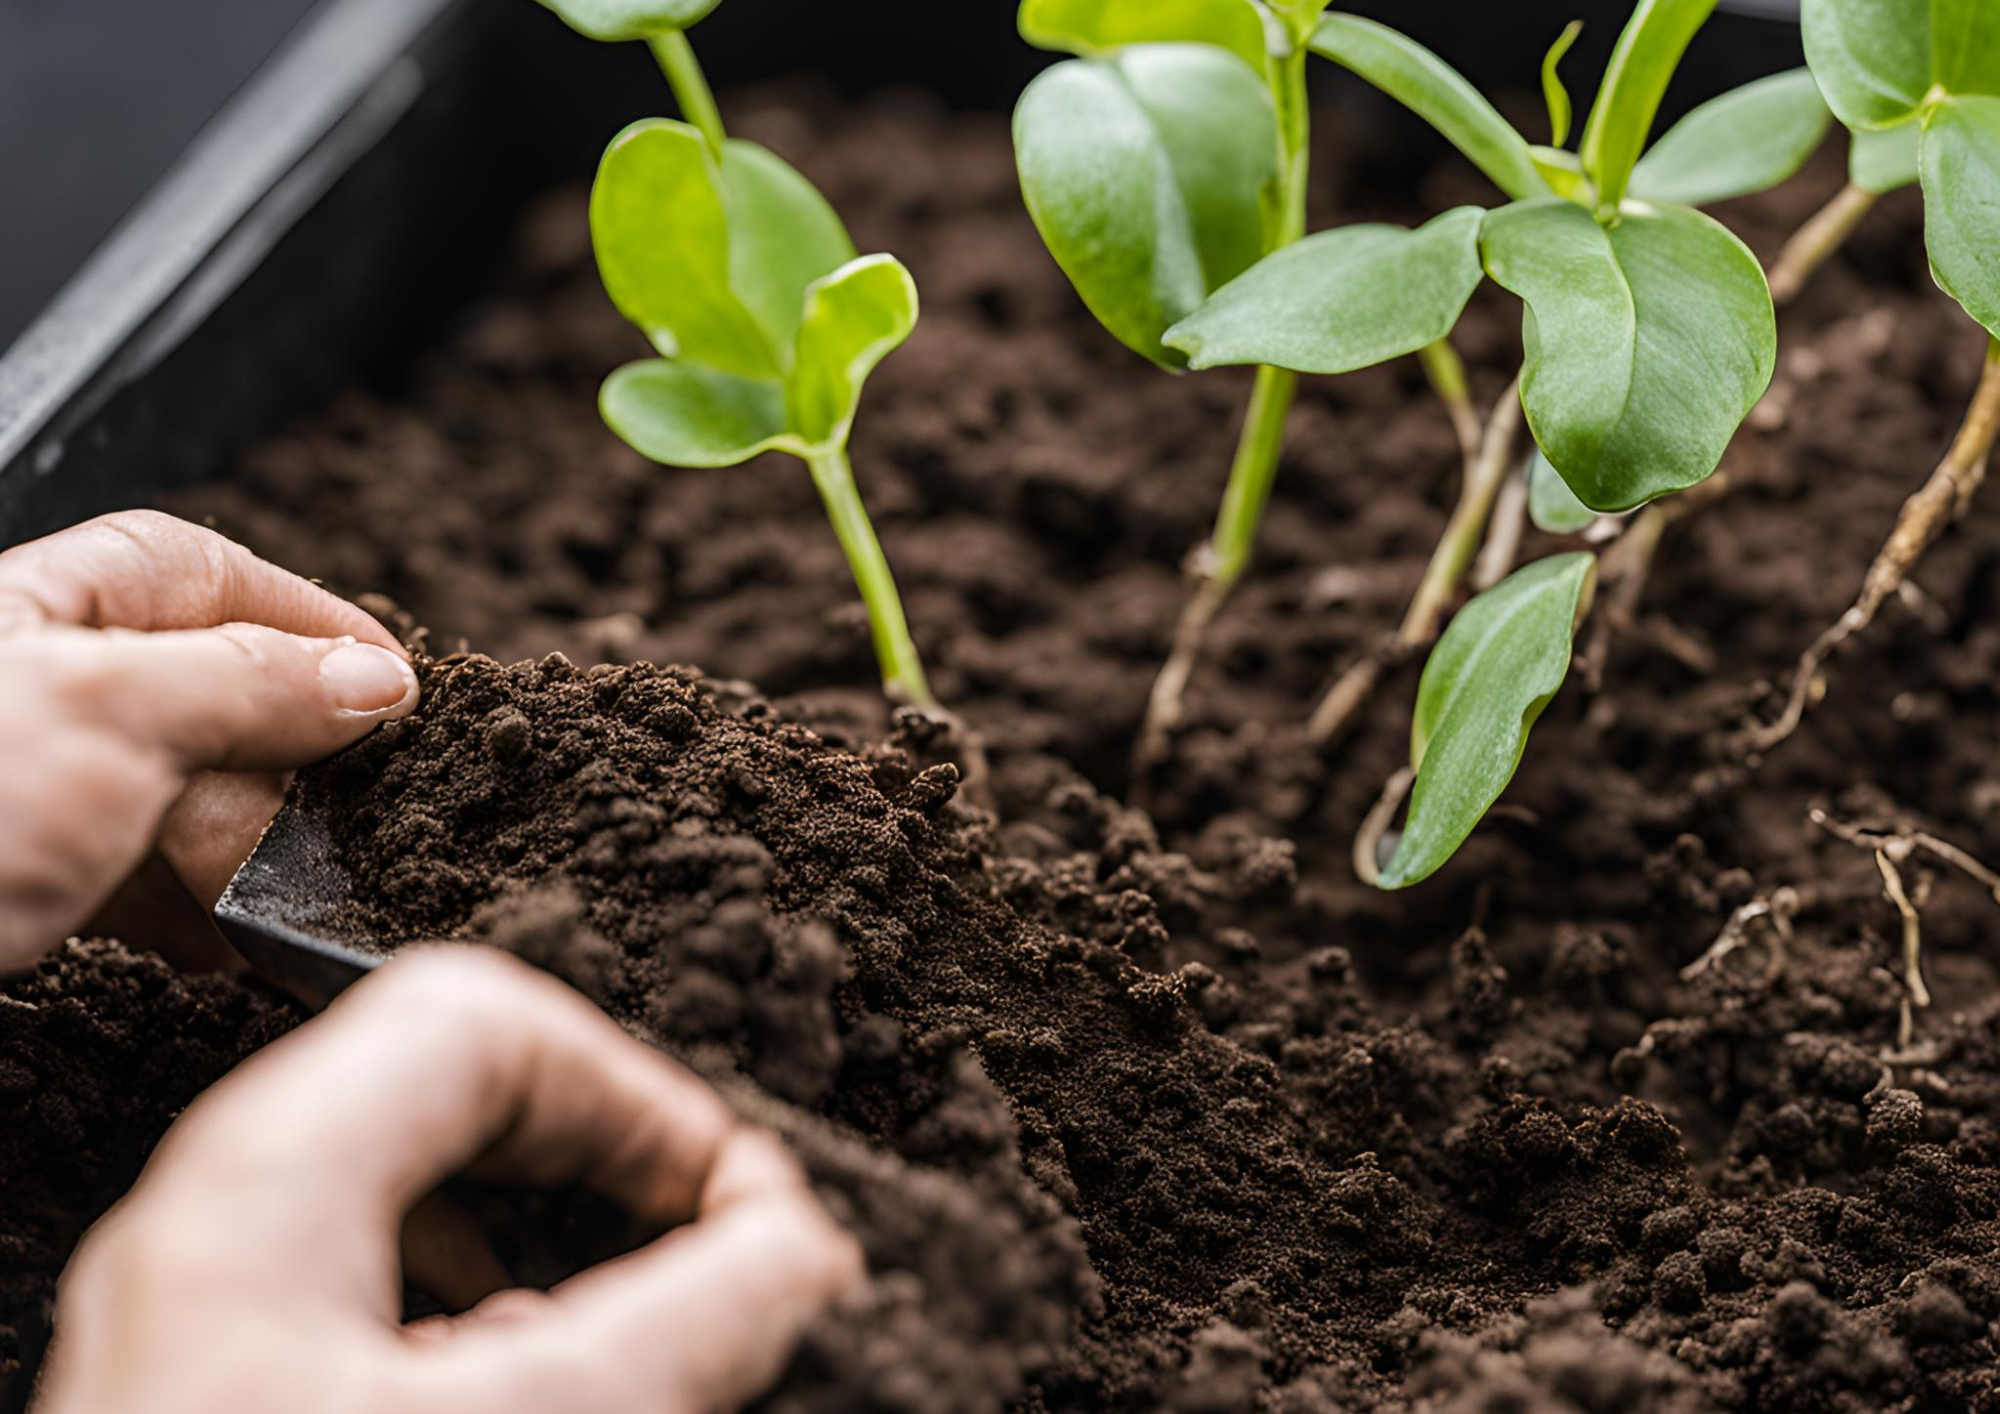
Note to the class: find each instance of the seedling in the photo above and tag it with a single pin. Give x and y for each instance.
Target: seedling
(1649, 335)
(745, 280)
(1161, 165)
(1917, 77)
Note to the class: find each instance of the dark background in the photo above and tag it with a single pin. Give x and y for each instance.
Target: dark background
(98, 96)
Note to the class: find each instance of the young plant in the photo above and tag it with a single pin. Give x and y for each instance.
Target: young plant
(744, 279)
(1648, 335)
(1160, 165)
(1918, 77)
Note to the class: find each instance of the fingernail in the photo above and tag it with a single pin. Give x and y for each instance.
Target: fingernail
(367, 680)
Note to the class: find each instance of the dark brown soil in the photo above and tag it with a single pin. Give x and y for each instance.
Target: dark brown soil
(1469, 1149)
(100, 1049)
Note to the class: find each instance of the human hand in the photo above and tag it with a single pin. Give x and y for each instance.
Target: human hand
(137, 652)
(255, 1267)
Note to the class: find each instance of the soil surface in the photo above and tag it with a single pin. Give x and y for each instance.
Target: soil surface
(1164, 1110)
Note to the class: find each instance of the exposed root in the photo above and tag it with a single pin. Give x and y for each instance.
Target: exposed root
(1892, 850)
(1375, 826)
(1899, 845)
(1167, 705)
(1941, 500)
(1913, 941)
(1622, 571)
(1454, 554)
(1777, 913)
(1503, 535)
(1823, 234)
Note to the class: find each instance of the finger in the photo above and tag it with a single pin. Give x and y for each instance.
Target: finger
(145, 570)
(241, 697)
(215, 825)
(310, 1154)
(704, 1318)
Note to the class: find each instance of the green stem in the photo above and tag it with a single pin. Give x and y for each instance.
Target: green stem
(1217, 565)
(691, 91)
(1256, 464)
(902, 671)
(1250, 477)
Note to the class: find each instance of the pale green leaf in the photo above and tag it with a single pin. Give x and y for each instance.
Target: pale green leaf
(1646, 343)
(661, 234)
(1648, 52)
(1872, 58)
(1552, 506)
(1094, 28)
(854, 318)
(782, 236)
(1563, 171)
(1882, 160)
(682, 414)
(1746, 141)
(1965, 46)
(1437, 93)
(1961, 175)
(1145, 176)
(630, 19)
(1341, 300)
(1561, 112)
(711, 259)
(1494, 670)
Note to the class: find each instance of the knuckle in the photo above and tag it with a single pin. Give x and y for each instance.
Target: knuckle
(460, 983)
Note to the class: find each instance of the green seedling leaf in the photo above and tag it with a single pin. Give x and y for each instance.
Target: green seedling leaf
(1648, 52)
(1961, 176)
(782, 237)
(1965, 46)
(630, 19)
(854, 318)
(1745, 141)
(1872, 58)
(1145, 175)
(1561, 112)
(1647, 343)
(1563, 171)
(1491, 674)
(1342, 299)
(1096, 28)
(710, 259)
(1552, 506)
(682, 414)
(1882, 160)
(1437, 93)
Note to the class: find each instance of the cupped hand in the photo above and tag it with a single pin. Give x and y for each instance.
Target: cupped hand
(138, 652)
(255, 1265)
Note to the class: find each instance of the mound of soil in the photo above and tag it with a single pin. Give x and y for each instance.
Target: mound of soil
(100, 1049)
(1479, 1146)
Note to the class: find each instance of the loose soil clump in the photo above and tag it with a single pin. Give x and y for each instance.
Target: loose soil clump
(1193, 1120)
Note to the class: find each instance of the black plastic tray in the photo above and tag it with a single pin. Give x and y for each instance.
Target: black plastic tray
(355, 192)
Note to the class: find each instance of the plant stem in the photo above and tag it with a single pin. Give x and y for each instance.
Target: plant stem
(902, 671)
(691, 91)
(1446, 372)
(1227, 554)
(1217, 565)
(1817, 239)
(1454, 553)
(1939, 501)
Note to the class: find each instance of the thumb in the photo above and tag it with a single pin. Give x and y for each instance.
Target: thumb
(237, 698)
